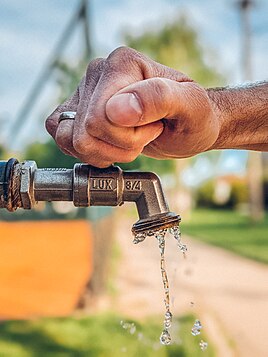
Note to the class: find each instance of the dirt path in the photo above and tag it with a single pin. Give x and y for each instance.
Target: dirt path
(230, 294)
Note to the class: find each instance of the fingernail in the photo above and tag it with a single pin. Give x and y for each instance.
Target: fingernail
(124, 109)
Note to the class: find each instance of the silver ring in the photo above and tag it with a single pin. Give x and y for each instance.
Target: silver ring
(67, 116)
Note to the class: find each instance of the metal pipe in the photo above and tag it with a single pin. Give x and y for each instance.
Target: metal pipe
(23, 185)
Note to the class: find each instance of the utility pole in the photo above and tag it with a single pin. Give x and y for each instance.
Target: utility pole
(255, 169)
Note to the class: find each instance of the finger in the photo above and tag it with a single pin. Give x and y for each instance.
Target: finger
(102, 154)
(151, 100)
(117, 71)
(64, 137)
(126, 138)
(77, 101)
(122, 68)
(52, 121)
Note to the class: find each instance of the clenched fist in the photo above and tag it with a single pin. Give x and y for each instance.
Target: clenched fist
(128, 104)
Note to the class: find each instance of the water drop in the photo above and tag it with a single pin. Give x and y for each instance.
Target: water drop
(139, 237)
(203, 345)
(132, 328)
(183, 248)
(175, 231)
(123, 324)
(196, 329)
(165, 338)
(168, 319)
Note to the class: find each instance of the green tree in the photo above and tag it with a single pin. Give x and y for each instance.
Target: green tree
(2, 152)
(49, 155)
(177, 45)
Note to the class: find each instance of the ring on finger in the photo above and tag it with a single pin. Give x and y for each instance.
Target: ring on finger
(67, 116)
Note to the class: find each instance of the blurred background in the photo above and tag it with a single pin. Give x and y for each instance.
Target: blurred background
(71, 282)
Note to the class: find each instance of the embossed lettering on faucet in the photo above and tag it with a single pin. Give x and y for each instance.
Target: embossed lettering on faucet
(133, 185)
(102, 184)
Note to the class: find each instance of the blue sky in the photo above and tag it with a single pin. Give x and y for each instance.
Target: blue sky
(29, 30)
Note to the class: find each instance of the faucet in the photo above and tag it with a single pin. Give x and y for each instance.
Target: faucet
(22, 185)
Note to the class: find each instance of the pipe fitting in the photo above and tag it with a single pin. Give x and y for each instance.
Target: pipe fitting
(23, 185)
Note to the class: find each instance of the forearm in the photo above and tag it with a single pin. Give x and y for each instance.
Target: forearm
(243, 116)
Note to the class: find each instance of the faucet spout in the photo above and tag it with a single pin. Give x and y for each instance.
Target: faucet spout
(23, 185)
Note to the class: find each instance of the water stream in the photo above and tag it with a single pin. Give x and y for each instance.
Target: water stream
(165, 337)
(160, 235)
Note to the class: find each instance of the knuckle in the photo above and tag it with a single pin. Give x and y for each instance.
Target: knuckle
(161, 87)
(122, 57)
(48, 124)
(94, 67)
(62, 138)
(51, 124)
(95, 62)
(120, 52)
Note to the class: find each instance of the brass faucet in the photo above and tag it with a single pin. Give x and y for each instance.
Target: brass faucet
(22, 185)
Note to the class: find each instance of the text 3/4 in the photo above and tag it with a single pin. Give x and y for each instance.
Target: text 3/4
(134, 185)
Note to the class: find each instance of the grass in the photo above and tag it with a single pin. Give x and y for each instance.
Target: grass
(230, 230)
(98, 336)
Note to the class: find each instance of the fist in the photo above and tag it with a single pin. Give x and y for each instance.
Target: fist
(126, 105)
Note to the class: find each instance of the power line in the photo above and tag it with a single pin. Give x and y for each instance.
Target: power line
(80, 15)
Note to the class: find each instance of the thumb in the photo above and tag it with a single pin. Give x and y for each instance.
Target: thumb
(151, 100)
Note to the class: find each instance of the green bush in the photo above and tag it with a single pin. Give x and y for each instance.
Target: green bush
(238, 194)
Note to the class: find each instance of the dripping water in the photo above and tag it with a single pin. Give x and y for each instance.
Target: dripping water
(160, 234)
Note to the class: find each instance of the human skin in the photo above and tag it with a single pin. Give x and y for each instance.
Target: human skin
(128, 104)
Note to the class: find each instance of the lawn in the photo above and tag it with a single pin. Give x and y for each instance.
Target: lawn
(230, 230)
(98, 336)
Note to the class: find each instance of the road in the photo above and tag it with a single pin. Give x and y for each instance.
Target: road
(229, 294)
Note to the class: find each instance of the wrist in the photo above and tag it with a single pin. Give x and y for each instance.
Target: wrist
(242, 113)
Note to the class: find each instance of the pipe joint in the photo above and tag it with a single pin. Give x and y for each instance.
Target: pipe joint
(23, 185)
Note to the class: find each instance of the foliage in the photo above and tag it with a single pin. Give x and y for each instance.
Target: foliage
(230, 230)
(144, 163)
(177, 45)
(204, 195)
(238, 195)
(49, 155)
(2, 152)
(99, 335)
(265, 191)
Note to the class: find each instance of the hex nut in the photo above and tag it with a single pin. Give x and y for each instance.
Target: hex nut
(26, 185)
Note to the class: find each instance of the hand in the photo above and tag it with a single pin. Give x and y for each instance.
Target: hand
(128, 104)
